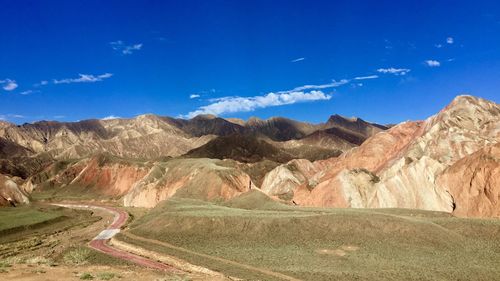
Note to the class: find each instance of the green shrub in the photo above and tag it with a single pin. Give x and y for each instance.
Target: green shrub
(106, 275)
(86, 276)
(77, 256)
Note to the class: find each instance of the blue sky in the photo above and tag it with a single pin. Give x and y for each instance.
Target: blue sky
(384, 61)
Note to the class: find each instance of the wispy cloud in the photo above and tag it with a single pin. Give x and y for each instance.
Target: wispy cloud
(28, 92)
(84, 78)
(125, 49)
(298, 59)
(244, 104)
(366, 77)
(332, 84)
(41, 83)
(450, 40)
(388, 44)
(432, 63)
(194, 96)
(8, 84)
(111, 117)
(439, 46)
(395, 71)
(6, 117)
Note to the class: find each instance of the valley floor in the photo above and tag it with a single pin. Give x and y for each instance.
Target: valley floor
(261, 240)
(252, 238)
(46, 242)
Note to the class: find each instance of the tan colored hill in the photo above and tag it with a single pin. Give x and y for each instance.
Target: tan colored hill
(151, 136)
(146, 136)
(143, 184)
(400, 167)
(206, 179)
(10, 193)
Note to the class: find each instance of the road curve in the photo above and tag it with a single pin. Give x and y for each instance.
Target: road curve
(100, 242)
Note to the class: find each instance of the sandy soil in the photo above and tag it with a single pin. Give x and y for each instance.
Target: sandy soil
(22, 272)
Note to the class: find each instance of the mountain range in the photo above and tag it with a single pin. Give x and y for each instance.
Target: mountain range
(448, 162)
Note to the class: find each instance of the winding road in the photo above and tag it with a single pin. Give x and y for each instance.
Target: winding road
(101, 244)
(101, 241)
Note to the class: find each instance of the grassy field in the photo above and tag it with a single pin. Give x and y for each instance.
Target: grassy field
(325, 244)
(25, 216)
(49, 235)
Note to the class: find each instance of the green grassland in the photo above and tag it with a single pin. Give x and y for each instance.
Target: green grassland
(27, 235)
(325, 244)
(25, 216)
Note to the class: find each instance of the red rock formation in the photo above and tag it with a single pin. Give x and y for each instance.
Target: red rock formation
(474, 183)
(399, 168)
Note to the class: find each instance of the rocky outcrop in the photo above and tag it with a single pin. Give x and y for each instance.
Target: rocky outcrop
(285, 179)
(474, 183)
(206, 179)
(10, 193)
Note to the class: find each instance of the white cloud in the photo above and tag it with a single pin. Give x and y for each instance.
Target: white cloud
(439, 46)
(450, 40)
(432, 63)
(245, 104)
(395, 71)
(27, 92)
(333, 84)
(305, 93)
(194, 96)
(297, 60)
(366, 77)
(121, 47)
(8, 84)
(84, 78)
(110, 117)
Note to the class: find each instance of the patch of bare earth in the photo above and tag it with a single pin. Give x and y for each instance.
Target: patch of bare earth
(340, 252)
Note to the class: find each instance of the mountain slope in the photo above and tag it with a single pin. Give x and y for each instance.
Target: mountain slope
(246, 149)
(400, 167)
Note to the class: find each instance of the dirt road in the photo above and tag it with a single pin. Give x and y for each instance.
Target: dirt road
(100, 242)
